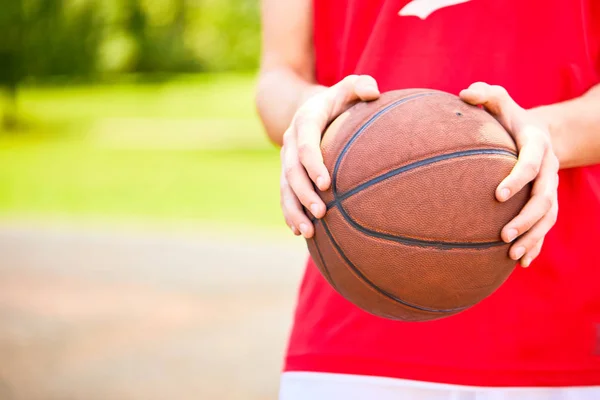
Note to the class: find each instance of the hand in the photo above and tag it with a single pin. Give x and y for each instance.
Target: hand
(301, 158)
(537, 163)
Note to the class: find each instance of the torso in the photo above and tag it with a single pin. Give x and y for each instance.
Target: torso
(542, 327)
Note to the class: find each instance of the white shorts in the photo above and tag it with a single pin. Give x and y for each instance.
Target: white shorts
(325, 386)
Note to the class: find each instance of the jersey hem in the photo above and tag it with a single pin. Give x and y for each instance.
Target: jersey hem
(442, 374)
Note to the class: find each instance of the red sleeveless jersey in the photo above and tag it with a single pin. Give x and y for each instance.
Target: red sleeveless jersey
(542, 327)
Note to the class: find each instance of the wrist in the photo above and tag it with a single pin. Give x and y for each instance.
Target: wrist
(553, 119)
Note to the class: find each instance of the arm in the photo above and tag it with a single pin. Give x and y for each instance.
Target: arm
(295, 110)
(286, 76)
(574, 127)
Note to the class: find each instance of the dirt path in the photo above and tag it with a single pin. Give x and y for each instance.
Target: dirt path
(99, 315)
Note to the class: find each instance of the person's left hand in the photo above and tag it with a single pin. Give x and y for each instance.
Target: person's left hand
(537, 164)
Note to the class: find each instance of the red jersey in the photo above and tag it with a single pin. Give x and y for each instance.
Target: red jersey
(542, 327)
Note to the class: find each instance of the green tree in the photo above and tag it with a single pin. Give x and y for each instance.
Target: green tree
(11, 43)
(43, 38)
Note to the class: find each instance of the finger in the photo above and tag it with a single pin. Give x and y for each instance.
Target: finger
(543, 196)
(299, 181)
(527, 242)
(493, 97)
(496, 100)
(532, 254)
(309, 148)
(366, 88)
(292, 211)
(529, 165)
(314, 116)
(351, 89)
(285, 195)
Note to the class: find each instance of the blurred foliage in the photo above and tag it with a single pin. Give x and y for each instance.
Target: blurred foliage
(98, 39)
(85, 38)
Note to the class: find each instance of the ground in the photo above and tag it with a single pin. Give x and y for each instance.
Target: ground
(143, 314)
(142, 251)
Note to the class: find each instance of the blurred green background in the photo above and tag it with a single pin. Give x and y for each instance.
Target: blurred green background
(133, 109)
(141, 246)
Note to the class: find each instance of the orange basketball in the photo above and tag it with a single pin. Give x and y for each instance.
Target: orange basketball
(412, 229)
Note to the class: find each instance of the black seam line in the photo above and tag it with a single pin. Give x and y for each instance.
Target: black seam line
(366, 125)
(378, 289)
(418, 242)
(417, 164)
(325, 269)
(412, 241)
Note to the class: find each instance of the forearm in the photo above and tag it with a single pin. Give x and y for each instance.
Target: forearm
(280, 92)
(575, 129)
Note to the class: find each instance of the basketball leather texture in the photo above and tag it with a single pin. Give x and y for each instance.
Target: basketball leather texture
(412, 229)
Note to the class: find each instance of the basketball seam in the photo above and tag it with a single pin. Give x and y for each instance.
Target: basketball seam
(367, 124)
(370, 284)
(325, 269)
(400, 239)
(418, 164)
(509, 151)
(337, 202)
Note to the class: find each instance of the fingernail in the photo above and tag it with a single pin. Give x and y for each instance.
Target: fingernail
(294, 230)
(519, 251)
(526, 262)
(504, 193)
(320, 182)
(511, 234)
(303, 229)
(314, 209)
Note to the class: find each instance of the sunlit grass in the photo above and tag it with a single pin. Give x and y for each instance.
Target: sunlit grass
(120, 151)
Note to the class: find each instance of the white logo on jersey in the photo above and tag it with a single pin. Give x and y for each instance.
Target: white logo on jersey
(424, 8)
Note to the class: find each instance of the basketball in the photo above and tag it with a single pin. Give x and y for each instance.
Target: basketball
(412, 228)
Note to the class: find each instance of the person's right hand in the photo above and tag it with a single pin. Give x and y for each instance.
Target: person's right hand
(301, 158)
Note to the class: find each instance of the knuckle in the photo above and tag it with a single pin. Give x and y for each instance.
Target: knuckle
(553, 214)
(283, 185)
(532, 169)
(531, 240)
(289, 170)
(305, 198)
(346, 85)
(534, 252)
(287, 137)
(546, 201)
(296, 215)
(350, 78)
(498, 91)
(304, 150)
(368, 77)
(554, 161)
(524, 226)
(553, 217)
(479, 85)
(302, 116)
(499, 97)
(365, 79)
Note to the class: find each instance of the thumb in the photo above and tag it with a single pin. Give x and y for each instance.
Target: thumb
(496, 100)
(351, 89)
